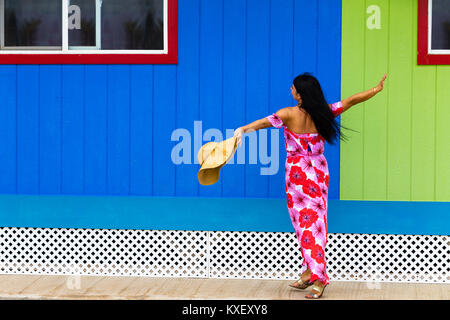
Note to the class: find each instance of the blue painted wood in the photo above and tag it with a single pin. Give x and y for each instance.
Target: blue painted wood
(187, 94)
(211, 78)
(8, 161)
(258, 87)
(234, 90)
(163, 123)
(72, 127)
(305, 37)
(50, 94)
(237, 60)
(141, 135)
(95, 129)
(328, 73)
(28, 129)
(281, 64)
(217, 214)
(118, 129)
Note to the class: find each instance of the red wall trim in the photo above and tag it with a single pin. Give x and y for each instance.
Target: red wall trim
(170, 58)
(423, 57)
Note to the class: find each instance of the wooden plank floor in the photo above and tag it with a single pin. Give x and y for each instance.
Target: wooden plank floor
(101, 287)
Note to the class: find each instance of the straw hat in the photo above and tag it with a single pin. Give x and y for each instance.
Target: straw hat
(212, 156)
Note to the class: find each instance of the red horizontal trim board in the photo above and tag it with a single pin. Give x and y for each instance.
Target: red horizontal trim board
(423, 57)
(170, 58)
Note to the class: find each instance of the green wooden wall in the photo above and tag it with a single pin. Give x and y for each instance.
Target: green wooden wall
(402, 150)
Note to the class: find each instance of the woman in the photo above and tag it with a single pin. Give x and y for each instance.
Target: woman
(307, 126)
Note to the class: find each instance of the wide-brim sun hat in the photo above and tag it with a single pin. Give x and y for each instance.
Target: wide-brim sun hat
(212, 156)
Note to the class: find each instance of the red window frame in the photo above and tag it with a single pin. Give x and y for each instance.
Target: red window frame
(171, 57)
(424, 57)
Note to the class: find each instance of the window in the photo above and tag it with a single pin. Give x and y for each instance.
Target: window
(31, 24)
(433, 39)
(88, 31)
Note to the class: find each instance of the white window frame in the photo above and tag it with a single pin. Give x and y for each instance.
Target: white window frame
(430, 26)
(65, 49)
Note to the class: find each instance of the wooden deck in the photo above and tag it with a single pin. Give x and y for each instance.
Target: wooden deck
(101, 287)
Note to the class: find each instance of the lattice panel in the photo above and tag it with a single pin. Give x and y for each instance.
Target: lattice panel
(394, 258)
(258, 255)
(350, 257)
(103, 252)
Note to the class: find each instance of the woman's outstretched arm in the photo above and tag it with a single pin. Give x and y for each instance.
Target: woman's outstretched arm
(260, 124)
(362, 96)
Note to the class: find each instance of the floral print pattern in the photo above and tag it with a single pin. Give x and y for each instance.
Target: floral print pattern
(307, 180)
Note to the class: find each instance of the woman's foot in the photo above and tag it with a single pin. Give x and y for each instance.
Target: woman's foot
(303, 282)
(317, 290)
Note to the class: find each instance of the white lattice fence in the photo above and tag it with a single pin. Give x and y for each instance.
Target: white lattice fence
(257, 255)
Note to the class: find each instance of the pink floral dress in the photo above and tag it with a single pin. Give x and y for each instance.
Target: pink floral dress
(307, 181)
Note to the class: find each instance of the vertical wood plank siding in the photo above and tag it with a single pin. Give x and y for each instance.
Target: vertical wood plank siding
(402, 150)
(106, 129)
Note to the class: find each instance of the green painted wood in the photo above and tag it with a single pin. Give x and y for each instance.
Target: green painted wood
(401, 58)
(375, 110)
(402, 151)
(352, 79)
(443, 134)
(423, 131)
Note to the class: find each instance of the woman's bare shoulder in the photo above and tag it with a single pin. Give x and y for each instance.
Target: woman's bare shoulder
(284, 114)
(284, 111)
(295, 110)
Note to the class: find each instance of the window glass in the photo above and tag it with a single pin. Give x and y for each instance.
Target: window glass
(440, 35)
(81, 23)
(32, 23)
(132, 24)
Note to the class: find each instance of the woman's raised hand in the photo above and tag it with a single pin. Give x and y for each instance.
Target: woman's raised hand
(380, 85)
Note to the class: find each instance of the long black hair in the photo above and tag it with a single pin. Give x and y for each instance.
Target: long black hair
(314, 103)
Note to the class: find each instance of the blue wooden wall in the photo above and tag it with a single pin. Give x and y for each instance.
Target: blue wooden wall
(106, 129)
